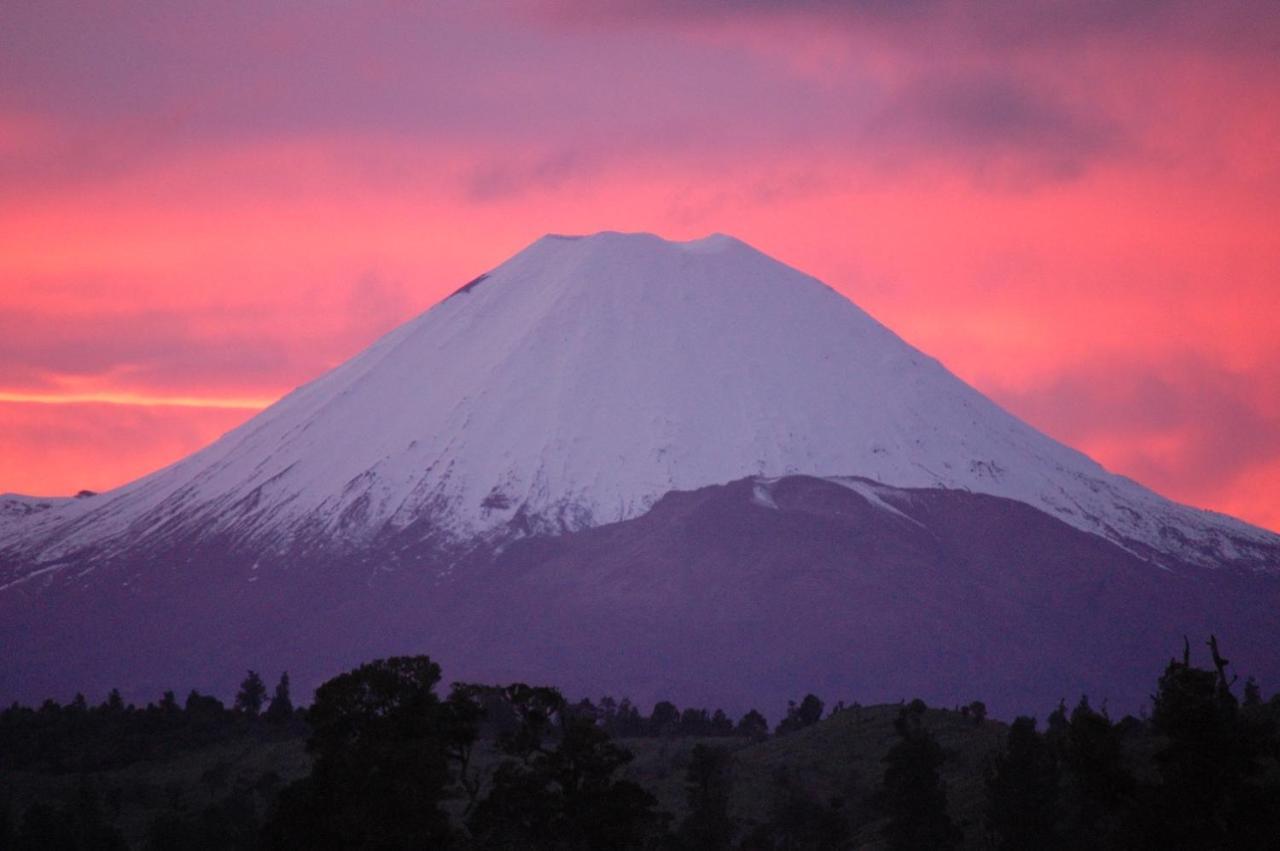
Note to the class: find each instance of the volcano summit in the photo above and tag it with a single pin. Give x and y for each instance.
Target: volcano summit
(619, 463)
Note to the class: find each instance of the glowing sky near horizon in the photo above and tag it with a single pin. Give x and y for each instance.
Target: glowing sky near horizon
(1073, 206)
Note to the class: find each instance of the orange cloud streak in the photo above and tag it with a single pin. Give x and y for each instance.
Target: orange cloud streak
(135, 399)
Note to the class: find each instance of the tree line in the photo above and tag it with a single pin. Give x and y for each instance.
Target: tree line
(1203, 771)
(77, 737)
(396, 762)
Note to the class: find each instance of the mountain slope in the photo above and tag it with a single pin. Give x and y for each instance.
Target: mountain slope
(737, 595)
(576, 384)
(15, 506)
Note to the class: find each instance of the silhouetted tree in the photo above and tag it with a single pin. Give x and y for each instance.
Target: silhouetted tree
(1022, 791)
(586, 710)
(608, 708)
(382, 742)
(628, 722)
(913, 795)
(169, 705)
(708, 784)
(694, 722)
(203, 707)
(562, 797)
(806, 714)
(665, 719)
(280, 710)
(1098, 788)
(1218, 765)
(753, 725)
(1252, 694)
(252, 694)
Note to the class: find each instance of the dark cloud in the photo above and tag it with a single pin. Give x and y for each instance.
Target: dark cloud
(1233, 25)
(986, 110)
(958, 87)
(120, 91)
(987, 120)
(509, 177)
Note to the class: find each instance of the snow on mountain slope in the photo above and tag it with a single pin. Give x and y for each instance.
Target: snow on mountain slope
(581, 380)
(16, 506)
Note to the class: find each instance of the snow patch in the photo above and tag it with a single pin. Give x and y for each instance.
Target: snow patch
(761, 496)
(872, 494)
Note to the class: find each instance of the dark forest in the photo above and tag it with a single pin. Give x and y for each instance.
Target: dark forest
(385, 757)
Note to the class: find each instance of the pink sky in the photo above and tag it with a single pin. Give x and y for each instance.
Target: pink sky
(1072, 205)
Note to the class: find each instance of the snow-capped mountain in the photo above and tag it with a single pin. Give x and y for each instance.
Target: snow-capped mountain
(631, 466)
(580, 381)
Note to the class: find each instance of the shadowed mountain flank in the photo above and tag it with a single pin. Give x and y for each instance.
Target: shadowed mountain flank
(736, 595)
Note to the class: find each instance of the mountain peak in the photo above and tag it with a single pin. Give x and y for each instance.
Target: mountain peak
(644, 237)
(605, 249)
(585, 377)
